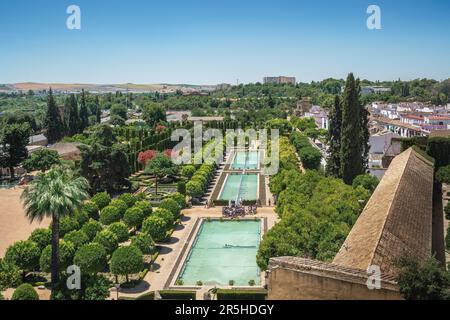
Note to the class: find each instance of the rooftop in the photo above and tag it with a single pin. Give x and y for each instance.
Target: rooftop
(397, 219)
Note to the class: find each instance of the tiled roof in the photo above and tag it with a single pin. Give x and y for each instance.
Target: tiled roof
(397, 219)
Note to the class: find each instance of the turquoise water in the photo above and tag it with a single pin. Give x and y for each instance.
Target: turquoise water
(245, 185)
(245, 160)
(224, 251)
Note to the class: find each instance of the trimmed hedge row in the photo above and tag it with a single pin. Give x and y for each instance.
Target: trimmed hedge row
(241, 294)
(177, 295)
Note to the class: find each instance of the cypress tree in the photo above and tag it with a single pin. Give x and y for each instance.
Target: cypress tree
(334, 139)
(73, 123)
(66, 115)
(365, 134)
(98, 110)
(84, 116)
(351, 151)
(53, 122)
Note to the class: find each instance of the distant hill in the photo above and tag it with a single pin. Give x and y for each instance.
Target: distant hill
(103, 88)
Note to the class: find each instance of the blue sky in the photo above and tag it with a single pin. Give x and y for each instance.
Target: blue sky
(210, 41)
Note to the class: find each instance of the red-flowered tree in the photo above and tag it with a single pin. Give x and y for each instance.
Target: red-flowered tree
(146, 156)
(159, 128)
(168, 152)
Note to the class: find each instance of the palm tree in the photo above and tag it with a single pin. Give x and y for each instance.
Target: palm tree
(54, 194)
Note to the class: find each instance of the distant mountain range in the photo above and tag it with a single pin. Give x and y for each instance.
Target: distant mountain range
(103, 88)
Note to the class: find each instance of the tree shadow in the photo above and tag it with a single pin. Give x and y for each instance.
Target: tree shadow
(139, 288)
(164, 250)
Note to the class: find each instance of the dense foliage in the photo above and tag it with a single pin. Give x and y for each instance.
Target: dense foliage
(427, 281)
(104, 163)
(127, 260)
(25, 292)
(42, 160)
(91, 258)
(14, 139)
(316, 212)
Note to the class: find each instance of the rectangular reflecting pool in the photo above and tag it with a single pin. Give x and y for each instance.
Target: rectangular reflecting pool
(246, 160)
(240, 186)
(223, 251)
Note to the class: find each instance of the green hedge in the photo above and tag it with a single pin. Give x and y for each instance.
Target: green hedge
(241, 294)
(419, 141)
(177, 295)
(146, 296)
(439, 149)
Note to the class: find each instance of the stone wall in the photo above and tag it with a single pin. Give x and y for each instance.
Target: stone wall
(302, 279)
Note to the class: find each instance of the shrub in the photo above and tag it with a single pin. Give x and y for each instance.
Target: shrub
(127, 260)
(199, 283)
(77, 237)
(128, 198)
(91, 228)
(310, 157)
(91, 258)
(423, 281)
(91, 208)
(367, 181)
(443, 175)
(188, 171)
(231, 282)
(108, 240)
(101, 199)
(145, 206)
(179, 282)
(144, 242)
(24, 254)
(67, 224)
(194, 188)
(251, 283)
(66, 254)
(110, 214)
(133, 217)
(10, 275)
(119, 204)
(166, 215)
(42, 237)
(170, 205)
(181, 187)
(177, 295)
(120, 230)
(25, 292)
(447, 211)
(134, 186)
(180, 198)
(241, 294)
(97, 288)
(81, 217)
(156, 227)
(439, 149)
(140, 196)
